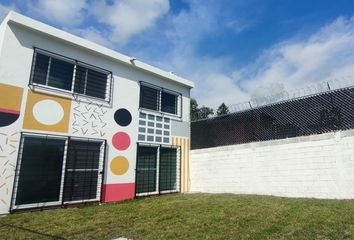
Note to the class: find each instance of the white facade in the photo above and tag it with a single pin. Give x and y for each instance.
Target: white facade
(19, 36)
(317, 166)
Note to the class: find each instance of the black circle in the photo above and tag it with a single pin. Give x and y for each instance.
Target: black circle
(122, 117)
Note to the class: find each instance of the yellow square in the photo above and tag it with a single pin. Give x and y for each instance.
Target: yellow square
(47, 113)
(10, 97)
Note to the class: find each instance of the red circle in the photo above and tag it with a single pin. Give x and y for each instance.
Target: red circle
(121, 141)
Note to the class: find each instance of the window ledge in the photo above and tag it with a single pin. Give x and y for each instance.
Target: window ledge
(66, 94)
(161, 114)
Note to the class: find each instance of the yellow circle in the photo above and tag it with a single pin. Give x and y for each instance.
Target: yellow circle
(119, 165)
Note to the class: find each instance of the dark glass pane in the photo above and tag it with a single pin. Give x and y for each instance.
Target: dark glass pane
(149, 98)
(168, 169)
(80, 185)
(146, 169)
(83, 155)
(82, 170)
(168, 103)
(96, 84)
(80, 79)
(40, 69)
(40, 171)
(60, 74)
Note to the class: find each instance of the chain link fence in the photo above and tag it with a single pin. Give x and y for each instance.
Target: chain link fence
(323, 108)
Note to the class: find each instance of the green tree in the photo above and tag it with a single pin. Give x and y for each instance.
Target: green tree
(199, 113)
(222, 110)
(205, 112)
(194, 110)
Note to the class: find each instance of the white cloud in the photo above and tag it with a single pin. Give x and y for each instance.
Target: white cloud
(325, 55)
(65, 12)
(92, 34)
(217, 88)
(4, 10)
(289, 65)
(184, 32)
(129, 17)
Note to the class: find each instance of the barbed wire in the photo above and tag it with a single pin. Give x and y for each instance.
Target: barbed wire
(316, 88)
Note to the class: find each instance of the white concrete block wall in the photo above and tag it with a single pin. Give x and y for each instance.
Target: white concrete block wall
(317, 166)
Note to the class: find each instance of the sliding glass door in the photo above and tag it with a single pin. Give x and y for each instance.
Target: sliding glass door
(40, 172)
(54, 170)
(83, 171)
(146, 170)
(157, 170)
(168, 170)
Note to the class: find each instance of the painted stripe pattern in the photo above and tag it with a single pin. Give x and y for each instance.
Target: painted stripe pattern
(184, 144)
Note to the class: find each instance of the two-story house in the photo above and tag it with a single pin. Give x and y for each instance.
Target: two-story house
(82, 123)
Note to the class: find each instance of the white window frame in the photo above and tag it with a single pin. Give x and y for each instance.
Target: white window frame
(17, 174)
(109, 83)
(159, 111)
(178, 171)
(62, 180)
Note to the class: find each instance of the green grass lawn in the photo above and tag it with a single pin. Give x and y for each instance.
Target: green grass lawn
(189, 216)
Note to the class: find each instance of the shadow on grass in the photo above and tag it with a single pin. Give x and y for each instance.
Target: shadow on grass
(31, 231)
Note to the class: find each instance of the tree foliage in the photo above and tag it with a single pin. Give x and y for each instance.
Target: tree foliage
(198, 113)
(222, 110)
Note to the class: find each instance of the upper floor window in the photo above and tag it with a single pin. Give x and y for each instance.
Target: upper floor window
(66, 74)
(158, 99)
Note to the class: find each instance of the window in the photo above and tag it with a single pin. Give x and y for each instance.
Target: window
(168, 169)
(159, 99)
(82, 170)
(150, 98)
(53, 72)
(157, 170)
(90, 82)
(73, 76)
(146, 170)
(40, 171)
(169, 103)
(53, 170)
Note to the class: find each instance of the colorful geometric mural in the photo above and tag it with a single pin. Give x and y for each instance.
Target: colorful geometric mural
(184, 143)
(117, 192)
(10, 104)
(119, 165)
(8, 148)
(89, 119)
(47, 113)
(122, 117)
(121, 141)
(154, 129)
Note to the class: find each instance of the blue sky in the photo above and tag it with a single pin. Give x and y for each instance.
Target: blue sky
(233, 50)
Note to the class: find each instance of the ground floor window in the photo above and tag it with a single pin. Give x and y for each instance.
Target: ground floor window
(54, 170)
(157, 170)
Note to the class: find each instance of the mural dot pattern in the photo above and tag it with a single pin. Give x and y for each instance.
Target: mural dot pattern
(121, 141)
(122, 117)
(119, 165)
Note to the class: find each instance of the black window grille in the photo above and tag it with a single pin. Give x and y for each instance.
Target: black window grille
(55, 71)
(157, 170)
(169, 102)
(40, 173)
(42, 179)
(149, 98)
(82, 170)
(168, 169)
(90, 82)
(158, 99)
(146, 169)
